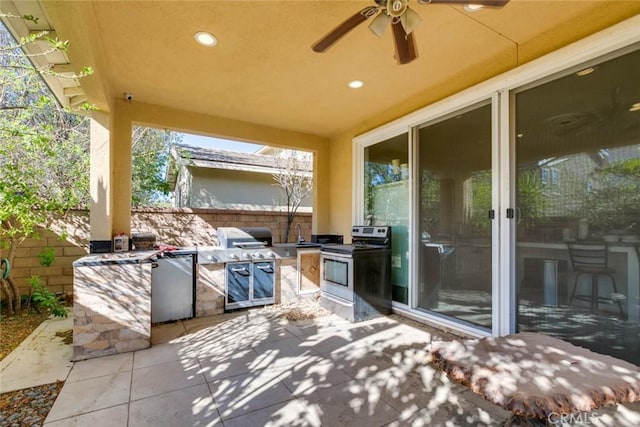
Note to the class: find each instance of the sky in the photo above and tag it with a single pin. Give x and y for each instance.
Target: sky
(223, 144)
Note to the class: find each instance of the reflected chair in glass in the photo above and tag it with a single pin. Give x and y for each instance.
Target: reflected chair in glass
(592, 259)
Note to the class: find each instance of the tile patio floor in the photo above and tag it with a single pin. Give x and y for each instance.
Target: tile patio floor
(254, 368)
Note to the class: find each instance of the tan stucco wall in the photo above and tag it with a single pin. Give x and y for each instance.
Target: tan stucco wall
(340, 182)
(100, 176)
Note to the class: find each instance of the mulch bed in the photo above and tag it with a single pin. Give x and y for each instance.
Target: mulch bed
(27, 407)
(16, 329)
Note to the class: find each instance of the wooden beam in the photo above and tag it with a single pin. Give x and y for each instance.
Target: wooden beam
(62, 68)
(73, 91)
(76, 101)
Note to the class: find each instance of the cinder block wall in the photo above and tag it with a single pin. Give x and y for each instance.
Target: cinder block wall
(180, 227)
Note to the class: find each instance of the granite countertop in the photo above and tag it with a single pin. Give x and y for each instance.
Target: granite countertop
(134, 257)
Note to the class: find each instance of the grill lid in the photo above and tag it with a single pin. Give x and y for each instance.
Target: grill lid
(250, 237)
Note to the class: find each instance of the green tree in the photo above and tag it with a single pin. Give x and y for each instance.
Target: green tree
(43, 151)
(150, 154)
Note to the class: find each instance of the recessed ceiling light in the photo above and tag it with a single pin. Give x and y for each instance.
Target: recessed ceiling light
(635, 107)
(585, 72)
(472, 7)
(355, 84)
(205, 38)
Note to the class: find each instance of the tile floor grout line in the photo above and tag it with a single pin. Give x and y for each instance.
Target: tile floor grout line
(259, 409)
(133, 363)
(215, 402)
(86, 413)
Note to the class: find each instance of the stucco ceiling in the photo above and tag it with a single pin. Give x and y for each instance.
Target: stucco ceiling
(264, 71)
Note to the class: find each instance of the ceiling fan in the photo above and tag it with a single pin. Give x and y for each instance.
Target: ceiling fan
(403, 20)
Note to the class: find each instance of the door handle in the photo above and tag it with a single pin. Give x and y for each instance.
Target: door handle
(241, 271)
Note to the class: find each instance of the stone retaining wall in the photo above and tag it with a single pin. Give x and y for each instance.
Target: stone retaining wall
(181, 227)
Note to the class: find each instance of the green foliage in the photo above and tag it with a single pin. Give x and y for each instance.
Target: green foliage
(46, 256)
(430, 202)
(531, 200)
(481, 196)
(44, 162)
(44, 298)
(375, 173)
(613, 200)
(43, 155)
(150, 153)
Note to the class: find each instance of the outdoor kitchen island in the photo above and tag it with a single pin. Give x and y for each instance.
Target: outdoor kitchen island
(111, 303)
(117, 295)
(113, 292)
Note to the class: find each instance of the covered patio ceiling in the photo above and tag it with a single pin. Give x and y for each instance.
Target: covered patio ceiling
(263, 70)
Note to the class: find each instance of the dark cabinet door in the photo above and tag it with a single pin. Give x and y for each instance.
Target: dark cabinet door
(263, 280)
(238, 281)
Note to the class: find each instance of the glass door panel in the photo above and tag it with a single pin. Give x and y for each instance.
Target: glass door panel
(578, 182)
(455, 193)
(386, 199)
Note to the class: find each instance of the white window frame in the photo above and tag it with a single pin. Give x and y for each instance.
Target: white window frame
(609, 42)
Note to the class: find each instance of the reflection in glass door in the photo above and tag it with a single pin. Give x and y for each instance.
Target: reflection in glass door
(386, 200)
(578, 190)
(455, 229)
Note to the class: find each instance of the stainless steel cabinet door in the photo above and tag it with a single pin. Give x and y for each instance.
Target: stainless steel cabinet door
(172, 289)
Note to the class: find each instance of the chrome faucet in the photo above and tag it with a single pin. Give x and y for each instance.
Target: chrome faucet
(300, 238)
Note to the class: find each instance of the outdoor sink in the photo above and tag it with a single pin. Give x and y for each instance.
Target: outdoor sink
(286, 250)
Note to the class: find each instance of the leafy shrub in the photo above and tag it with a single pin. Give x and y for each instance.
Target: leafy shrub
(44, 298)
(47, 255)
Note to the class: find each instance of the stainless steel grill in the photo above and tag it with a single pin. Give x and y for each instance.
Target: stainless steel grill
(238, 244)
(249, 265)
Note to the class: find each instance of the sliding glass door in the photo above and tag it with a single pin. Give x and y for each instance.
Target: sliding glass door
(454, 256)
(558, 159)
(387, 202)
(578, 204)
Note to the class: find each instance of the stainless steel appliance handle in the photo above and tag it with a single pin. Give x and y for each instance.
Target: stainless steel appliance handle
(265, 267)
(241, 271)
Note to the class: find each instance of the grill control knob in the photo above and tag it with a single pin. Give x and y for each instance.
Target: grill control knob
(246, 255)
(270, 255)
(233, 256)
(260, 255)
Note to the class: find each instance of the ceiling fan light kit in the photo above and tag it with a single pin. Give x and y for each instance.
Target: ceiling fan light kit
(403, 21)
(410, 20)
(379, 24)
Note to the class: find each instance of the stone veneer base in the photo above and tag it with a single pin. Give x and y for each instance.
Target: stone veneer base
(111, 309)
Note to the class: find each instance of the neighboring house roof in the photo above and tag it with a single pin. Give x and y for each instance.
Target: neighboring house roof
(209, 158)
